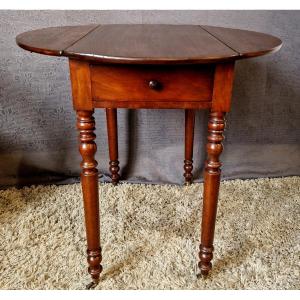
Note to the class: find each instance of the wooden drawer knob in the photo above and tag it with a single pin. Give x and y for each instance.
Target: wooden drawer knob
(155, 85)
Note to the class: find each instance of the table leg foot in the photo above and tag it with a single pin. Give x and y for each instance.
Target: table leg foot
(114, 170)
(205, 255)
(94, 260)
(188, 168)
(91, 285)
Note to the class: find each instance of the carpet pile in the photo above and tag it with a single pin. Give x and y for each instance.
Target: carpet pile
(150, 236)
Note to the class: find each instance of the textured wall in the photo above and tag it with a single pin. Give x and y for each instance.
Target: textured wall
(38, 141)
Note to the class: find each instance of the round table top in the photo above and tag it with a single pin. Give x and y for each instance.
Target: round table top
(149, 44)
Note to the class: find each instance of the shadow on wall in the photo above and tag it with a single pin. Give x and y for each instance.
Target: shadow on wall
(200, 140)
(23, 168)
(28, 173)
(132, 144)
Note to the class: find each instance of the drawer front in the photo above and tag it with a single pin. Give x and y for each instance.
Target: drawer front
(152, 83)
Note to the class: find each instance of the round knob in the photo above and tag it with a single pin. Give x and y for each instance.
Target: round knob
(155, 85)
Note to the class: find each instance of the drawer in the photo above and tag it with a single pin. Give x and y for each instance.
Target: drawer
(151, 83)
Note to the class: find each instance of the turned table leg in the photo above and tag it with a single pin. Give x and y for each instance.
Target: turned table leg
(189, 143)
(214, 147)
(89, 182)
(112, 132)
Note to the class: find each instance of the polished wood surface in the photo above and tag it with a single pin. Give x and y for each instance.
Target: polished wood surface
(81, 85)
(223, 83)
(246, 43)
(89, 181)
(53, 40)
(132, 83)
(149, 43)
(153, 104)
(150, 66)
(212, 173)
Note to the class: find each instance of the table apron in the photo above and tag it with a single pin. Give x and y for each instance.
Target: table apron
(157, 87)
(153, 104)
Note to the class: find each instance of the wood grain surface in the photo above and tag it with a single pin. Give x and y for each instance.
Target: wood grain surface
(246, 43)
(132, 83)
(52, 40)
(149, 44)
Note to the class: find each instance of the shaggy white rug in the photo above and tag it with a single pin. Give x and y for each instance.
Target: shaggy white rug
(150, 236)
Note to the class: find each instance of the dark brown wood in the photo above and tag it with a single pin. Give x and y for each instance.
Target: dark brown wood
(81, 85)
(131, 83)
(89, 181)
(153, 104)
(246, 43)
(223, 84)
(212, 173)
(189, 144)
(53, 40)
(112, 132)
(149, 43)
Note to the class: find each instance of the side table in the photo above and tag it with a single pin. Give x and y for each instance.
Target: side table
(149, 66)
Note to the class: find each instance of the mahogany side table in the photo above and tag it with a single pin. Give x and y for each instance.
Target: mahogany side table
(149, 66)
